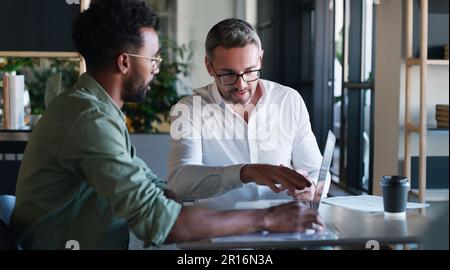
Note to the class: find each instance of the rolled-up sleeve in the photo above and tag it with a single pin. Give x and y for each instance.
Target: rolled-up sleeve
(149, 174)
(107, 164)
(188, 176)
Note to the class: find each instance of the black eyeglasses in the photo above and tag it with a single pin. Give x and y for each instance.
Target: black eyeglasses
(231, 78)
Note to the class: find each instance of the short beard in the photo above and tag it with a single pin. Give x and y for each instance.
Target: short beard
(134, 91)
(229, 97)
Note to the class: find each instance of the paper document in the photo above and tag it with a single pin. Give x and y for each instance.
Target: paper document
(366, 203)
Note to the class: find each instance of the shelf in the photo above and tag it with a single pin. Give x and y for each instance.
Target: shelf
(431, 62)
(24, 129)
(15, 137)
(416, 129)
(437, 129)
(423, 64)
(39, 54)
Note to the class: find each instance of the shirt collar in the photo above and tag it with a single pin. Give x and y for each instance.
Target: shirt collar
(87, 82)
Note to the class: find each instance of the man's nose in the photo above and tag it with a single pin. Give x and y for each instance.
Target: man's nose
(240, 83)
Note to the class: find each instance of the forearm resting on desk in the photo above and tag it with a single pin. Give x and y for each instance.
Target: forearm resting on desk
(195, 223)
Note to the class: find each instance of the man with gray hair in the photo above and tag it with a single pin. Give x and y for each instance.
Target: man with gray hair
(241, 138)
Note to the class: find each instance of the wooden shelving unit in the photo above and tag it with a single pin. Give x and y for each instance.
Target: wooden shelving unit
(430, 62)
(420, 128)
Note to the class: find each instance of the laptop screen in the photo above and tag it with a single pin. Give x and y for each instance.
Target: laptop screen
(324, 168)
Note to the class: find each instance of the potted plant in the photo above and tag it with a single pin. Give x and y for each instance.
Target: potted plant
(37, 72)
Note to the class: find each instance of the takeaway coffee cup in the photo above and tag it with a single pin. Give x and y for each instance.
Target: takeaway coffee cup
(395, 195)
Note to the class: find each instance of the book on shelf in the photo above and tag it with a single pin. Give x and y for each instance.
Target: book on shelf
(446, 51)
(442, 107)
(13, 93)
(6, 100)
(442, 113)
(442, 118)
(442, 124)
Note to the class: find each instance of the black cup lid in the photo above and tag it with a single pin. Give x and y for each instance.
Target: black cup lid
(394, 180)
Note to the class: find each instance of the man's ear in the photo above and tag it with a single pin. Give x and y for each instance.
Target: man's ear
(123, 63)
(208, 67)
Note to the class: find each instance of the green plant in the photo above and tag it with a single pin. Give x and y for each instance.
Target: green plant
(339, 47)
(37, 83)
(15, 63)
(36, 76)
(37, 111)
(145, 117)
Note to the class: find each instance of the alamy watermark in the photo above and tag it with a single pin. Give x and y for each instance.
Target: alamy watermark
(73, 2)
(72, 245)
(373, 245)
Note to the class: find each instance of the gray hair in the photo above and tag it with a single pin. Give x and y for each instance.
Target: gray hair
(231, 33)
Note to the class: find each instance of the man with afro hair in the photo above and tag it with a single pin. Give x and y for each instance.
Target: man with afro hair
(80, 180)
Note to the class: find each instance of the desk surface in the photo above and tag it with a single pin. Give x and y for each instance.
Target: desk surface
(15, 135)
(351, 228)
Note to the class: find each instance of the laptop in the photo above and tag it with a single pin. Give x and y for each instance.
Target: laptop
(324, 168)
(319, 195)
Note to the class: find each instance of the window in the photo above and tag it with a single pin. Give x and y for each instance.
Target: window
(166, 10)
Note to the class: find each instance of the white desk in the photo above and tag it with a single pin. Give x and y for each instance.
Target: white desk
(351, 228)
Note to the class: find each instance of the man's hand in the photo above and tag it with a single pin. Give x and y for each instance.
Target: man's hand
(305, 194)
(293, 216)
(277, 178)
(169, 194)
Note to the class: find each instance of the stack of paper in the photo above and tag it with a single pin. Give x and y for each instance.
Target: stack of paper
(366, 203)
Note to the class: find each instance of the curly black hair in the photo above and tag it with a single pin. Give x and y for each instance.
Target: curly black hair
(110, 27)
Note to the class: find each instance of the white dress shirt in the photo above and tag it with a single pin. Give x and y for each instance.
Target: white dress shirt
(210, 144)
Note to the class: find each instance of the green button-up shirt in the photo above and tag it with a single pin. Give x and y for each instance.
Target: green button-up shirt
(81, 180)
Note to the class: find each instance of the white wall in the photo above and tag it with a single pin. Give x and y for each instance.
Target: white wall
(154, 150)
(194, 19)
(389, 95)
